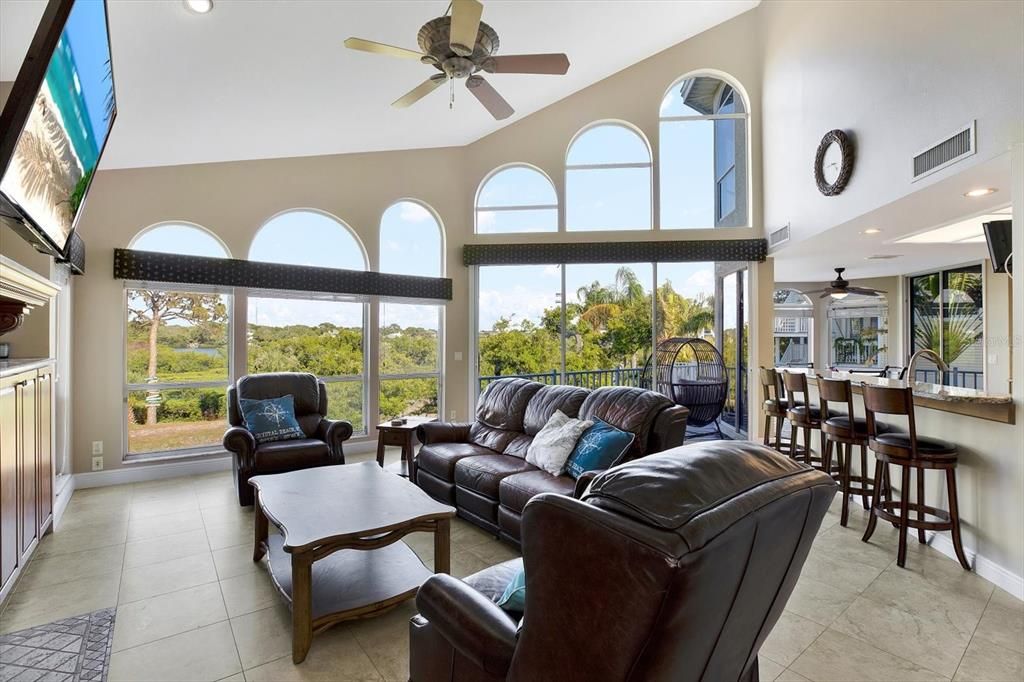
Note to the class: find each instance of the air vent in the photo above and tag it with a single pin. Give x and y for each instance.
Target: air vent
(884, 256)
(959, 145)
(779, 236)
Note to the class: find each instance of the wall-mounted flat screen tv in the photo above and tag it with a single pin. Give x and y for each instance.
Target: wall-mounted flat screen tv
(998, 236)
(55, 123)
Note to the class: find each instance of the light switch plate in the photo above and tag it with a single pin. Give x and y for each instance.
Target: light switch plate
(458, 356)
(97, 447)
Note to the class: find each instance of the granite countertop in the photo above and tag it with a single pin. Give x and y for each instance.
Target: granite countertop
(18, 365)
(949, 394)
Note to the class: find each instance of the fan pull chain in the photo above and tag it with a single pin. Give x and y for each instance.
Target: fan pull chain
(451, 93)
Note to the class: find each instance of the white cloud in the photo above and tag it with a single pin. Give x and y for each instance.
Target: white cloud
(517, 304)
(414, 213)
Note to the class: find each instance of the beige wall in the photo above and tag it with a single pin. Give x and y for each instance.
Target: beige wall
(234, 199)
(900, 76)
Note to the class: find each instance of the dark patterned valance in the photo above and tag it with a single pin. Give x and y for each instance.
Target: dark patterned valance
(149, 266)
(616, 252)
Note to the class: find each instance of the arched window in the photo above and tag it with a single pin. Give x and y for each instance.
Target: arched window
(794, 325)
(608, 179)
(702, 160)
(308, 237)
(178, 354)
(300, 332)
(411, 243)
(858, 328)
(516, 198)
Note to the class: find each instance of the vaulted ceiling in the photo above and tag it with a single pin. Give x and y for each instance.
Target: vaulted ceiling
(272, 79)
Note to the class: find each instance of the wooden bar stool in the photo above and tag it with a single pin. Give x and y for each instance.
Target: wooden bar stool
(909, 451)
(803, 416)
(774, 406)
(842, 433)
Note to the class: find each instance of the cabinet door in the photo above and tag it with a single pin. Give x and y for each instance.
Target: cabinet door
(9, 547)
(44, 449)
(27, 431)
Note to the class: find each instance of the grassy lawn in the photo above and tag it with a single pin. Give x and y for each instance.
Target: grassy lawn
(173, 435)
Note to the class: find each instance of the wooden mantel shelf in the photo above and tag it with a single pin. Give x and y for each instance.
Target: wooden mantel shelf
(21, 290)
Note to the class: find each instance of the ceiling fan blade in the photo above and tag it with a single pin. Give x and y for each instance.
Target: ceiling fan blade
(489, 97)
(815, 291)
(864, 291)
(826, 294)
(419, 92)
(465, 25)
(554, 64)
(381, 48)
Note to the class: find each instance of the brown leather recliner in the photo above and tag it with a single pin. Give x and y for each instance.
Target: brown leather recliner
(320, 447)
(481, 467)
(672, 567)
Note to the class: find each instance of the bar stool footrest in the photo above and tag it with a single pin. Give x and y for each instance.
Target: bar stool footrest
(889, 510)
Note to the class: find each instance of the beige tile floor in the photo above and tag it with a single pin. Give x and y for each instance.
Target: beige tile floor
(174, 556)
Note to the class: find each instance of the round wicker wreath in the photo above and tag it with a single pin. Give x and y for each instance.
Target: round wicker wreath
(845, 170)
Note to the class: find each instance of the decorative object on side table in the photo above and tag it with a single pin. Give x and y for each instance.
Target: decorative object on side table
(354, 507)
(833, 163)
(403, 435)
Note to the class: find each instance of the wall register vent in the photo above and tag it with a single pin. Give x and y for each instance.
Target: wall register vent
(778, 237)
(959, 145)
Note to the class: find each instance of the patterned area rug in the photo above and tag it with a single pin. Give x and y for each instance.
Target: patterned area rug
(68, 650)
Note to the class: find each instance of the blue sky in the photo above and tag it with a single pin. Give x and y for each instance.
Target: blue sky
(86, 33)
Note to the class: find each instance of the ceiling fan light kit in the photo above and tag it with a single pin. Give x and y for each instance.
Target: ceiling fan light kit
(460, 46)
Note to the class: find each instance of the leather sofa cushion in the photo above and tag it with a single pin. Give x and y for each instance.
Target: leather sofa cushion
(503, 403)
(288, 455)
(490, 437)
(440, 458)
(628, 409)
(483, 474)
(518, 446)
(516, 490)
(544, 402)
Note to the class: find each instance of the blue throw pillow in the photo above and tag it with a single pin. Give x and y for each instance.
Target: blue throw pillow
(599, 446)
(514, 596)
(273, 419)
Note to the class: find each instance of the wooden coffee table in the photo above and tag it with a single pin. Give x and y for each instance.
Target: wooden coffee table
(355, 507)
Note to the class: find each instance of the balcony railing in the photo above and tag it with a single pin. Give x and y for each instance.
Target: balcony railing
(592, 378)
(963, 378)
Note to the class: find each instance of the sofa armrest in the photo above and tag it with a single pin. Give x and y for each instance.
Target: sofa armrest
(471, 622)
(334, 433)
(669, 429)
(239, 441)
(583, 482)
(440, 432)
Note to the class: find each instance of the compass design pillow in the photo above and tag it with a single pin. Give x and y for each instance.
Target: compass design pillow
(271, 420)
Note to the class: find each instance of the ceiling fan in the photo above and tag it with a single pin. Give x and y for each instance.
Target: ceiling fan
(839, 288)
(459, 45)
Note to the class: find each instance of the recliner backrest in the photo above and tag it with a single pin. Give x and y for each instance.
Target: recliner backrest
(308, 393)
(672, 567)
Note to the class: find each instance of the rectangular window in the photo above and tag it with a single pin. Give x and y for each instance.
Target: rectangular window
(608, 198)
(178, 366)
(947, 317)
(410, 360)
(323, 336)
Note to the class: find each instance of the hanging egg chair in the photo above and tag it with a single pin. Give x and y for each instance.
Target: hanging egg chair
(690, 372)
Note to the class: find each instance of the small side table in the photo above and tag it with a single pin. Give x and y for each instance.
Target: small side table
(403, 436)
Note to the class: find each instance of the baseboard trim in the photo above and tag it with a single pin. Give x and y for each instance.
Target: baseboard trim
(140, 472)
(62, 499)
(989, 570)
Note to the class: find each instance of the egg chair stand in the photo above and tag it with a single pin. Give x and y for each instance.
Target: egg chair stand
(690, 372)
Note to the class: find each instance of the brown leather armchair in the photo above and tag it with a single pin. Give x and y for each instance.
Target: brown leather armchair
(673, 567)
(321, 446)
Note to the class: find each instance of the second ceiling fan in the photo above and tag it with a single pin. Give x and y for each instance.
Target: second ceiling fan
(459, 45)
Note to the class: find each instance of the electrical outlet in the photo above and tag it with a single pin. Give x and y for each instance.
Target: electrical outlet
(97, 464)
(452, 415)
(97, 447)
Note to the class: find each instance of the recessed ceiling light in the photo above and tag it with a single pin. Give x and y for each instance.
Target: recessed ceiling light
(872, 230)
(984, 191)
(199, 6)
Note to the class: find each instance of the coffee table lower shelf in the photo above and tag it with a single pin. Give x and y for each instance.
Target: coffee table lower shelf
(352, 583)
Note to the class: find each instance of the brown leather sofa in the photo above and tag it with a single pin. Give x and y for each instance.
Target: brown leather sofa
(320, 447)
(481, 467)
(673, 567)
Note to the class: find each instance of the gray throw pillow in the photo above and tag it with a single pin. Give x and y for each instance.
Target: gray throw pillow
(554, 443)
